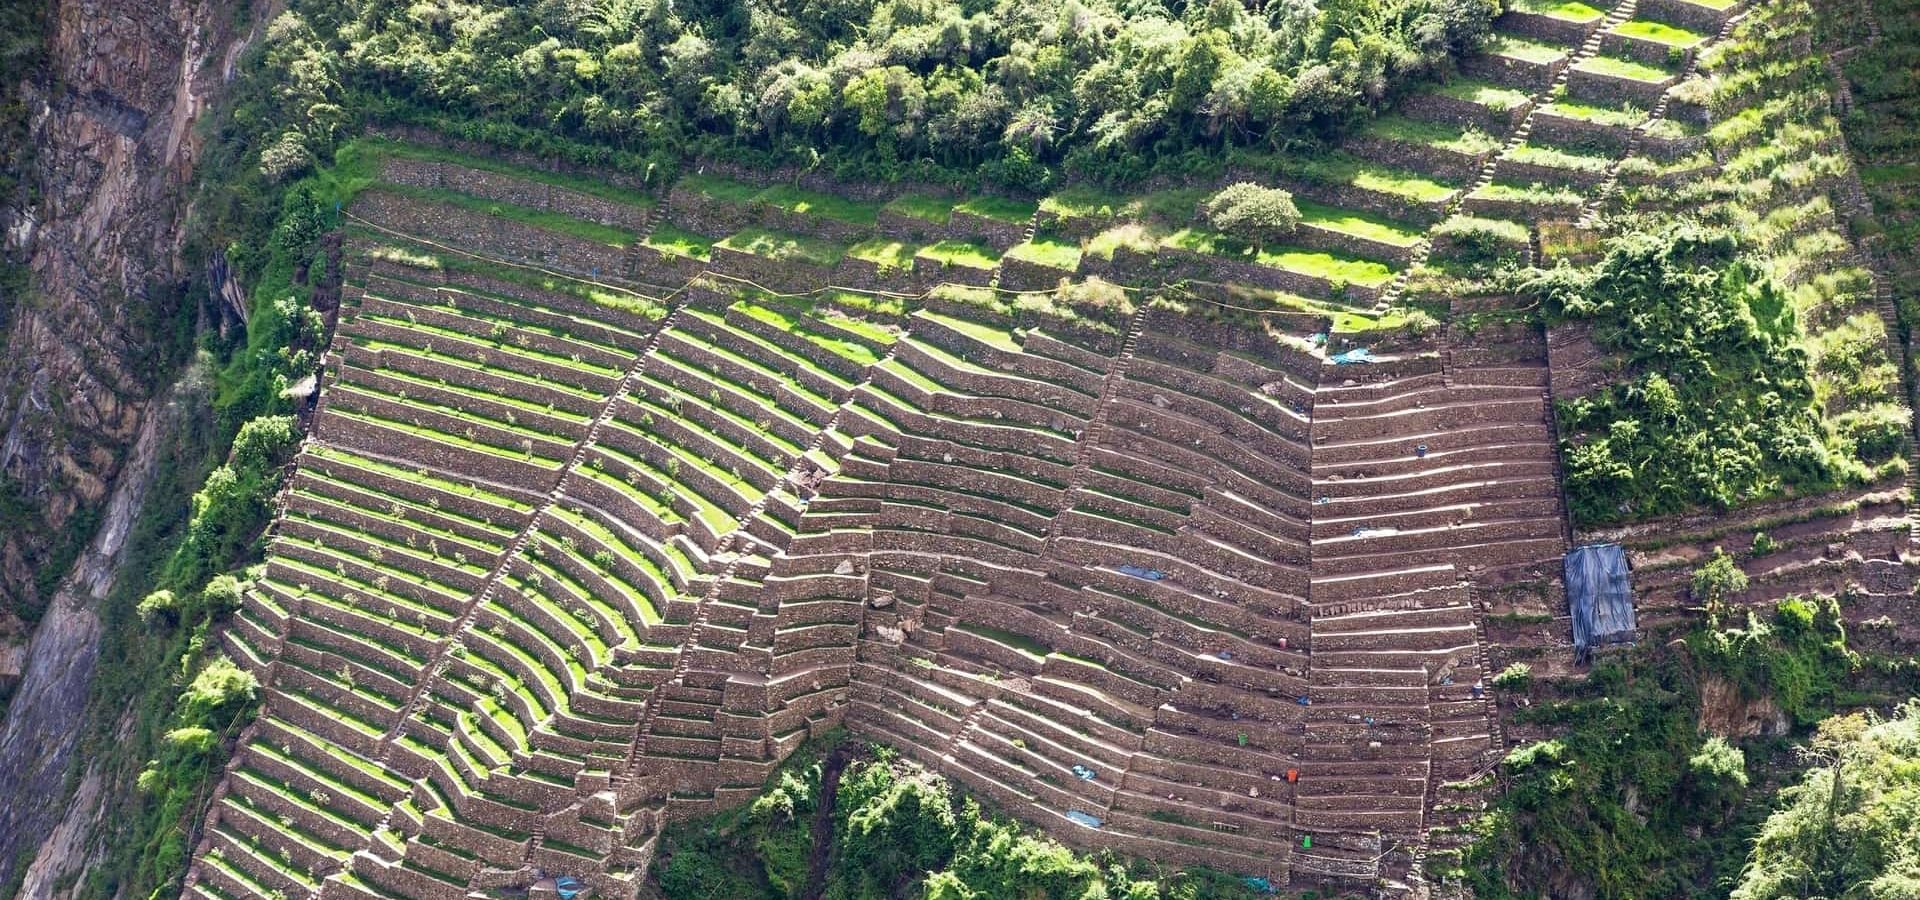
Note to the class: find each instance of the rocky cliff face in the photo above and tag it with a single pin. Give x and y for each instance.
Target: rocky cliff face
(112, 124)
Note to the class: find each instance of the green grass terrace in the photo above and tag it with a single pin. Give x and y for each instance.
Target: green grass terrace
(1338, 268)
(1565, 10)
(786, 247)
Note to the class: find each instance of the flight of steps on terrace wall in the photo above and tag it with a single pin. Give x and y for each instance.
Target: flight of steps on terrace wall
(1420, 486)
(520, 513)
(1007, 642)
(572, 569)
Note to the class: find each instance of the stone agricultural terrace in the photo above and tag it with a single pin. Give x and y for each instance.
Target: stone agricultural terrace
(615, 496)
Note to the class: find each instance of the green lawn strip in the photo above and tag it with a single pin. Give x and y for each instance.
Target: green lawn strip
(912, 376)
(384, 545)
(1568, 10)
(649, 615)
(373, 615)
(1080, 201)
(700, 460)
(960, 253)
(997, 338)
(1344, 169)
(678, 241)
(1441, 136)
(455, 440)
(772, 467)
(334, 785)
(531, 663)
(462, 362)
(936, 210)
(804, 326)
(504, 718)
(785, 247)
(539, 218)
(872, 331)
(386, 515)
(272, 857)
(659, 509)
(501, 675)
(773, 351)
(714, 187)
(722, 410)
(465, 416)
(1627, 116)
(1138, 237)
(717, 518)
(558, 608)
(1556, 158)
(371, 590)
(616, 618)
(1542, 195)
(762, 405)
(497, 328)
(481, 395)
(1659, 33)
(422, 477)
(350, 646)
(945, 358)
(1317, 263)
(999, 209)
(983, 422)
(486, 346)
(285, 791)
(801, 201)
(1621, 67)
(1524, 49)
(1015, 640)
(598, 187)
(1359, 224)
(616, 301)
(888, 254)
(335, 713)
(1484, 93)
(1048, 251)
(753, 365)
(220, 861)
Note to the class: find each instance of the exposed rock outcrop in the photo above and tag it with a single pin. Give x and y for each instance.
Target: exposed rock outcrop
(112, 122)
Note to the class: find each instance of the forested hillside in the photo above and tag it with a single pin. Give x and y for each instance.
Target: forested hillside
(1018, 90)
(966, 449)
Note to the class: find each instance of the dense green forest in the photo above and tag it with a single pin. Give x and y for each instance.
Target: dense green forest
(1020, 94)
(1103, 87)
(891, 828)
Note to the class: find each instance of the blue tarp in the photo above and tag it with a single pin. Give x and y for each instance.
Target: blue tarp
(1260, 884)
(1083, 818)
(568, 886)
(1356, 355)
(1139, 572)
(1599, 595)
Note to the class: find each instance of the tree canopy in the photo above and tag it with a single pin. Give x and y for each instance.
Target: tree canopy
(1252, 212)
(1015, 89)
(1850, 830)
(1718, 406)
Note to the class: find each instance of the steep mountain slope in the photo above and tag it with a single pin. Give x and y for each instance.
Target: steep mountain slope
(96, 226)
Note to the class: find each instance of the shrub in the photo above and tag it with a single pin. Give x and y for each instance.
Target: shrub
(158, 606)
(1718, 580)
(1719, 764)
(1252, 213)
(1722, 411)
(1515, 677)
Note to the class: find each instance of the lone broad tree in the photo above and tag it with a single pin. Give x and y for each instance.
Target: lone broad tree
(1252, 212)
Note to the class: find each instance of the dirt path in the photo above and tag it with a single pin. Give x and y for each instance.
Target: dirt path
(830, 771)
